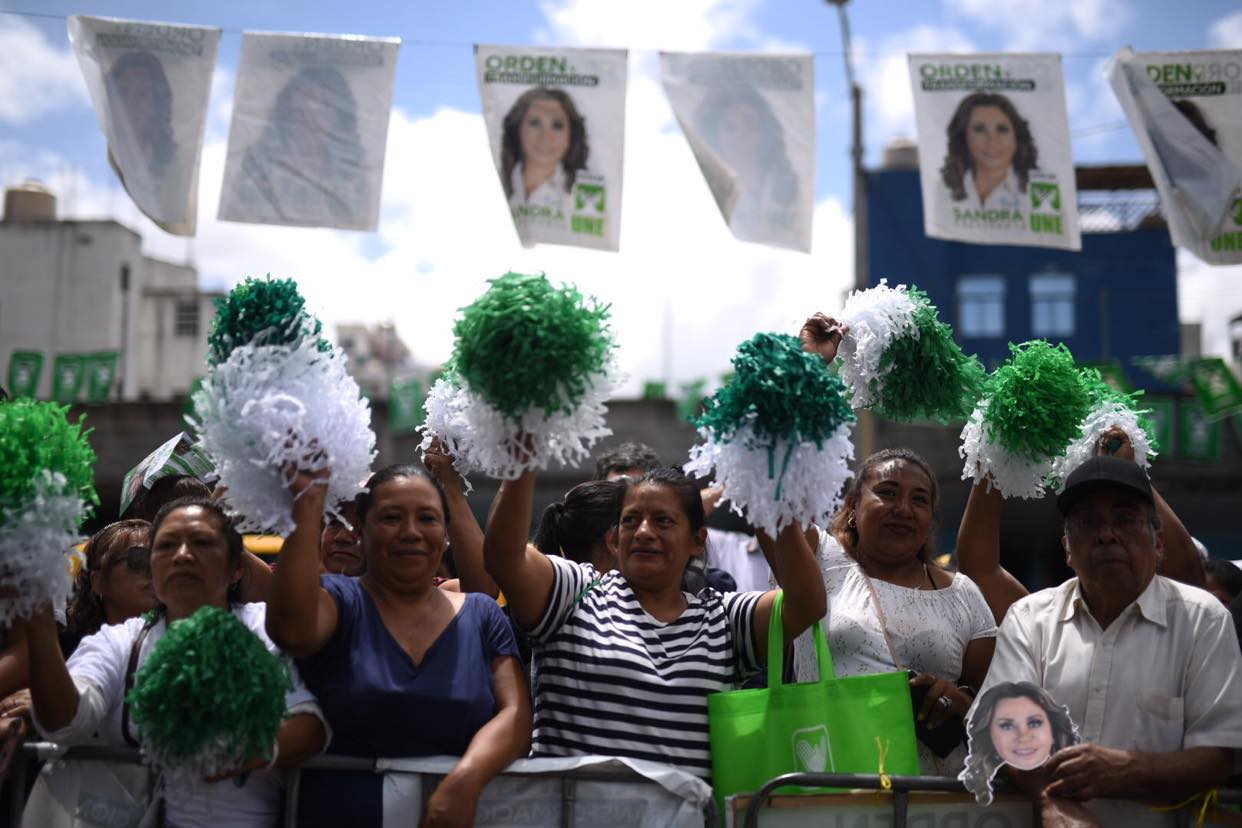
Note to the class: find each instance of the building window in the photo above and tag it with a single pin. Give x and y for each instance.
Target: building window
(185, 317)
(1052, 305)
(981, 306)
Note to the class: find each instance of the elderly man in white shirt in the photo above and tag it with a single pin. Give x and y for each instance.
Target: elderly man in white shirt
(1149, 668)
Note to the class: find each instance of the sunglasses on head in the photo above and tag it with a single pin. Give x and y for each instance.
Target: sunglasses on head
(136, 559)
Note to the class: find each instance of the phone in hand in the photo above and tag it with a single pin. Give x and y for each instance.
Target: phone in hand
(945, 738)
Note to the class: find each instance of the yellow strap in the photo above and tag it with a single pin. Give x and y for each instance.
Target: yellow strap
(886, 783)
(1211, 799)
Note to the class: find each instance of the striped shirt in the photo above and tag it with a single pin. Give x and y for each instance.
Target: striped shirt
(613, 680)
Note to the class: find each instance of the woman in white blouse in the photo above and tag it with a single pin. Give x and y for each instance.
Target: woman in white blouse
(889, 606)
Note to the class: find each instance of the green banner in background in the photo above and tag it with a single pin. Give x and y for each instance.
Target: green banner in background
(68, 377)
(25, 371)
(100, 376)
(1216, 386)
(405, 405)
(1159, 422)
(1113, 374)
(1200, 433)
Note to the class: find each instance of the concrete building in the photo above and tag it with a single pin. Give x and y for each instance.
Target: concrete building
(77, 293)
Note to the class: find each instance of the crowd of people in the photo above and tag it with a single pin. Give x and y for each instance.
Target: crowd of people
(605, 630)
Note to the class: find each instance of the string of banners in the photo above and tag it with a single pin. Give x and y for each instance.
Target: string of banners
(310, 119)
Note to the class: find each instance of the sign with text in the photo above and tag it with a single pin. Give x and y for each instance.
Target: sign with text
(1185, 109)
(309, 130)
(25, 371)
(150, 84)
(556, 124)
(750, 122)
(994, 149)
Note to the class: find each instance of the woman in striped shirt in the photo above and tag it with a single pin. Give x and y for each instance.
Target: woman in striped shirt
(625, 659)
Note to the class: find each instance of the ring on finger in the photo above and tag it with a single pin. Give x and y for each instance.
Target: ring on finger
(944, 702)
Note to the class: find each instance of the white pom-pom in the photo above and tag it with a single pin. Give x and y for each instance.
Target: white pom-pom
(36, 548)
(1015, 476)
(1106, 415)
(269, 410)
(809, 478)
(876, 317)
(482, 439)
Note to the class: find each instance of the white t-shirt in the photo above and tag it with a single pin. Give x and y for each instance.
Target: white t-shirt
(98, 668)
(929, 630)
(739, 554)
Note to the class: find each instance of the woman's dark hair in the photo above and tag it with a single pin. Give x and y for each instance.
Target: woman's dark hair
(983, 761)
(777, 170)
(86, 612)
(366, 498)
(1226, 574)
(957, 161)
(511, 139)
(687, 491)
(343, 106)
(148, 502)
(847, 535)
(158, 130)
(573, 526)
(233, 539)
(1195, 115)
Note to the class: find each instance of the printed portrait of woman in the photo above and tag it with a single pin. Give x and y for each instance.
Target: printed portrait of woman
(543, 147)
(308, 166)
(991, 153)
(140, 102)
(738, 124)
(1016, 724)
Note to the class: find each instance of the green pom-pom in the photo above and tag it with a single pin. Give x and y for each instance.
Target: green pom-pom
(927, 377)
(38, 435)
(526, 344)
(783, 391)
(271, 310)
(1037, 401)
(1101, 394)
(210, 696)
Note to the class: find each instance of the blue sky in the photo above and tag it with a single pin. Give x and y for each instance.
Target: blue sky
(684, 292)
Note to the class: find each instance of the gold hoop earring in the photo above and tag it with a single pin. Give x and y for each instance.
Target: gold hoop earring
(850, 523)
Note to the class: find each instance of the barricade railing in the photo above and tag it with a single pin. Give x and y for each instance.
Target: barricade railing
(573, 809)
(900, 788)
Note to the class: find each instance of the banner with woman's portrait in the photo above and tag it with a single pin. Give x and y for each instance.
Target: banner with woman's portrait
(556, 123)
(750, 121)
(150, 84)
(994, 149)
(1186, 112)
(310, 125)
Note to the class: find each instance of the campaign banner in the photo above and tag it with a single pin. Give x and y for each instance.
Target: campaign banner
(68, 376)
(25, 371)
(405, 405)
(750, 122)
(100, 375)
(994, 149)
(309, 130)
(556, 124)
(1186, 112)
(179, 455)
(150, 84)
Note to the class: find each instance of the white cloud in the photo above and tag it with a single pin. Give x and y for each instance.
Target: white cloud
(1048, 25)
(36, 78)
(1212, 296)
(677, 25)
(1226, 33)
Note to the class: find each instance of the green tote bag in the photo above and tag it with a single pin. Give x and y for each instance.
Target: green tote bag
(834, 725)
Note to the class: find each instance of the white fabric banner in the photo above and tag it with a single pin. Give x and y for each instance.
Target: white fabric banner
(556, 124)
(1186, 112)
(994, 149)
(310, 125)
(150, 83)
(750, 121)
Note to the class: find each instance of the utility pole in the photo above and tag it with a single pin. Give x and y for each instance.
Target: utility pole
(866, 422)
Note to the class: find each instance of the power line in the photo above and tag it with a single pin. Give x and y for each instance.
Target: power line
(463, 44)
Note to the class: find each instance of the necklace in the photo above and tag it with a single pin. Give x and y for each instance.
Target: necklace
(931, 583)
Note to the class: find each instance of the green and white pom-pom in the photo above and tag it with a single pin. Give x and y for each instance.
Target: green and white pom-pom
(899, 358)
(261, 312)
(210, 697)
(1109, 409)
(777, 435)
(530, 359)
(1033, 408)
(274, 406)
(46, 491)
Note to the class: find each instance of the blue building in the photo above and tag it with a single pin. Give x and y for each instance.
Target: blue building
(1114, 300)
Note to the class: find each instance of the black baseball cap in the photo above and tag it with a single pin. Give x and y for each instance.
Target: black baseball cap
(1103, 472)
